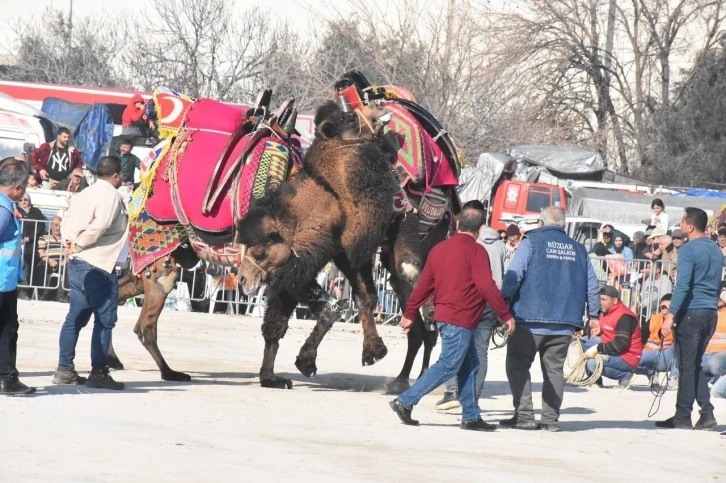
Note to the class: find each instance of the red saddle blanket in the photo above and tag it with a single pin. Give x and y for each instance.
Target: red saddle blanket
(183, 175)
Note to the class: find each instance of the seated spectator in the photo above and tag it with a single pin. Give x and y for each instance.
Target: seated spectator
(33, 184)
(668, 252)
(129, 162)
(620, 246)
(714, 360)
(651, 288)
(640, 246)
(55, 161)
(658, 351)
(50, 253)
(678, 239)
(75, 183)
(619, 340)
(135, 115)
(597, 258)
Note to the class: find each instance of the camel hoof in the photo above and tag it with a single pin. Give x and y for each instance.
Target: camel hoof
(176, 376)
(306, 366)
(373, 353)
(276, 383)
(114, 364)
(397, 386)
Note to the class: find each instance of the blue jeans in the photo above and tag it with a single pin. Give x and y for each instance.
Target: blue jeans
(612, 368)
(482, 337)
(694, 328)
(93, 291)
(458, 357)
(654, 361)
(715, 366)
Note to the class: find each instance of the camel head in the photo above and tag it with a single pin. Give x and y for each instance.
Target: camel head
(336, 121)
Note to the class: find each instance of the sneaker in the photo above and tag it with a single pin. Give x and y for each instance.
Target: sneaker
(674, 423)
(404, 413)
(516, 423)
(706, 421)
(672, 383)
(450, 401)
(625, 382)
(13, 387)
(549, 427)
(99, 378)
(67, 376)
(478, 425)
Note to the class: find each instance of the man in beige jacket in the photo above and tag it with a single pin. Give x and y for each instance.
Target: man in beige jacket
(95, 230)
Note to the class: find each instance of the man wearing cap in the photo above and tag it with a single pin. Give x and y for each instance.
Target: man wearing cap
(550, 282)
(514, 236)
(678, 238)
(693, 316)
(655, 246)
(619, 339)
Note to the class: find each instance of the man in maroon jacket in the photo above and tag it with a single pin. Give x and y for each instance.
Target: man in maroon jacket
(56, 160)
(458, 275)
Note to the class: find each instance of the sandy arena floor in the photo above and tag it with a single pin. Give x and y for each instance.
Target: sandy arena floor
(335, 427)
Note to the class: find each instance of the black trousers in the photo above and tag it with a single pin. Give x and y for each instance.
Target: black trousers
(693, 331)
(8, 334)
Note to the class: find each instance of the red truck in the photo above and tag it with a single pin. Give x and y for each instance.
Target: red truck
(523, 198)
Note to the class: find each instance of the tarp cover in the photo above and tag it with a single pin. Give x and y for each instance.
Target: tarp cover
(704, 193)
(631, 209)
(476, 182)
(91, 126)
(563, 159)
(94, 135)
(68, 114)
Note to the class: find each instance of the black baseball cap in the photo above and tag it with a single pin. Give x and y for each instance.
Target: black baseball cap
(610, 291)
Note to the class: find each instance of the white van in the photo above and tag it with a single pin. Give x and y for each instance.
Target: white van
(21, 126)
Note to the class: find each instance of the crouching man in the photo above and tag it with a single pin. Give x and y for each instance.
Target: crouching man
(619, 340)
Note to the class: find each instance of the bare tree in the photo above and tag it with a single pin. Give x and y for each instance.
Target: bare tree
(202, 48)
(47, 52)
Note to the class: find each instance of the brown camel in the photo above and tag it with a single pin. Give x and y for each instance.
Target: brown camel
(339, 208)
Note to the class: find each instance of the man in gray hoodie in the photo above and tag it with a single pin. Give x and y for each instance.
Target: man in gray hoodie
(489, 239)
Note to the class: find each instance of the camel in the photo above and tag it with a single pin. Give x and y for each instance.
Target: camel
(275, 251)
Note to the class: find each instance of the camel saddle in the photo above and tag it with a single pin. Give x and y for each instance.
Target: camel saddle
(223, 157)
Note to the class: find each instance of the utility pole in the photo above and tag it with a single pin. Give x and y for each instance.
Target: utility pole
(607, 61)
(70, 28)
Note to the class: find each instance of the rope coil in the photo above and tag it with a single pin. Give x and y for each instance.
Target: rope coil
(576, 373)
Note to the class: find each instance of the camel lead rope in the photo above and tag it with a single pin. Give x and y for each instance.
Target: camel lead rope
(577, 376)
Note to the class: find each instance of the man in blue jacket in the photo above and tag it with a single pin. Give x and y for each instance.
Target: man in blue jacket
(549, 282)
(13, 179)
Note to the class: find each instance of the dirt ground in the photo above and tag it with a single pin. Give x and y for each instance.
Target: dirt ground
(335, 427)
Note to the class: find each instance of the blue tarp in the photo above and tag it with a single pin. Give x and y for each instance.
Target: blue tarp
(704, 193)
(94, 135)
(91, 125)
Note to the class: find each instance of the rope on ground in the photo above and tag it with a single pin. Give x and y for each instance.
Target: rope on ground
(659, 385)
(500, 336)
(576, 373)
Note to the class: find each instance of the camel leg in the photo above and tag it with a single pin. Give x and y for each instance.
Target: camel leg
(430, 334)
(327, 310)
(156, 288)
(280, 307)
(366, 297)
(128, 286)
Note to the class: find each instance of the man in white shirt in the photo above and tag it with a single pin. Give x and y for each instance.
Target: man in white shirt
(95, 229)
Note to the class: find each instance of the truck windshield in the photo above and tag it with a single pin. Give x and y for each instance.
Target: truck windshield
(538, 198)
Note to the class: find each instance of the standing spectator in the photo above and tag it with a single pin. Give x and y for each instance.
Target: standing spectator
(620, 246)
(607, 238)
(457, 274)
(514, 236)
(489, 239)
(694, 304)
(13, 179)
(129, 162)
(95, 228)
(721, 240)
(54, 161)
(546, 313)
(640, 247)
(659, 218)
(33, 228)
(75, 183)
(619, 340)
